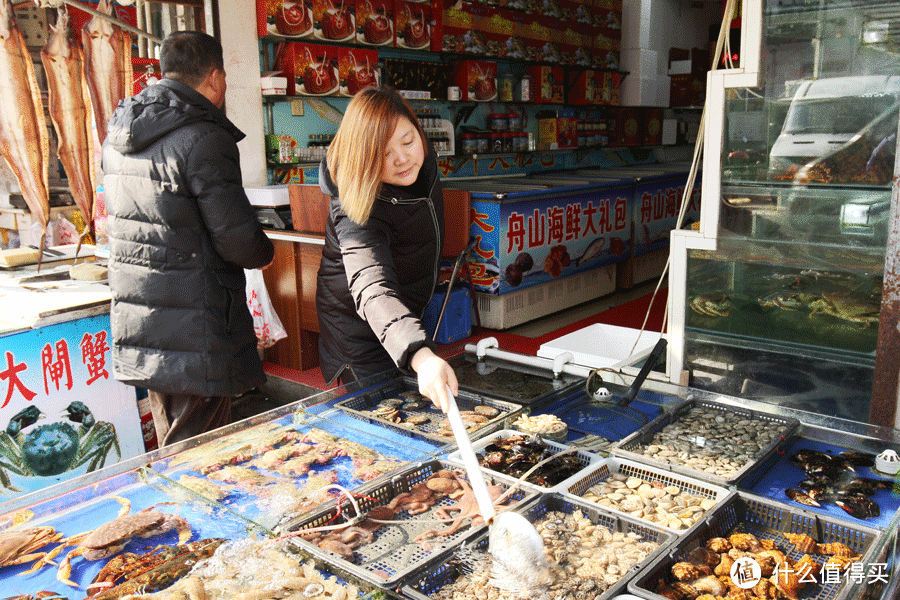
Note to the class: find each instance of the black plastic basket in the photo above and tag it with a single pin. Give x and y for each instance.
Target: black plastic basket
(393, 556)
(629, 447)
(368, 399)
(441, 572)
(742, 512)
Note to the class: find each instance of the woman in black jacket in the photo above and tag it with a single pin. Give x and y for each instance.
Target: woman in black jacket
(382, 246)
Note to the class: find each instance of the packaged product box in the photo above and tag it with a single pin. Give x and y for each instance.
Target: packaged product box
(358, 69)
(334, 20)
(414, 24)
(584, 87)
(375, 23)
(687, 90)
(652, 118)
(630, 131)
(288, 18)
(548, 83)
(557, 132)
(145, 71)
(610, 85)
(311, 69)
(477, 79)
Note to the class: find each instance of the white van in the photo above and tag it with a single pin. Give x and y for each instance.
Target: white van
(825, 114)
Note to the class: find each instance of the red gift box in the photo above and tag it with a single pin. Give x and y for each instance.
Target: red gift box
(375, 22)
(334, 20)
(358, 68)
(415, 25)
(548, 83)
(311, 69)
(289, 18)
(477, 79)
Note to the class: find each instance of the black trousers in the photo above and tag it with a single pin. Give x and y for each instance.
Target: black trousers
(177, 417)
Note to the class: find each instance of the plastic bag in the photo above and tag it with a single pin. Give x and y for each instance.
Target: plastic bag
(265, 320)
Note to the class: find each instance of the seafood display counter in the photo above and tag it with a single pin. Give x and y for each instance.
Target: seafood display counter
(311, 501)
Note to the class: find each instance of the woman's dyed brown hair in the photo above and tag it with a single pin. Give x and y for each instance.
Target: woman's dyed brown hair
(356, 155)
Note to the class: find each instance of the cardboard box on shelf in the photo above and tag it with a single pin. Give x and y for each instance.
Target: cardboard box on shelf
(334, 21)
(687, 90)
(477, 79)
(557, 133)
(375, 23)
(548, 83)
(358, 69)
(414, 25)
(288, 18)
(311, 69)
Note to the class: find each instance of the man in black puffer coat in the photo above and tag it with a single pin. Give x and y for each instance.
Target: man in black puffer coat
(181, 232)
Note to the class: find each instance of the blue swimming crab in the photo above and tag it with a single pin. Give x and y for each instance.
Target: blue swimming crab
(53, 448)
(715, 304)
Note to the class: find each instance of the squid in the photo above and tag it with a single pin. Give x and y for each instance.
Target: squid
(107, 53)
(69, 103)
(24, 141)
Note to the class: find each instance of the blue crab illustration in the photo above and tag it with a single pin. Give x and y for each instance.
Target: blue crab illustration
(52, 448)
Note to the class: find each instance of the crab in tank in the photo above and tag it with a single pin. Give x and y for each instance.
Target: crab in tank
(714, 304)
(53, 448)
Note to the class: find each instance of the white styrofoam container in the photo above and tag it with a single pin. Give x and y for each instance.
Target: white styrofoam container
(600, 472)
(602, 346)
(514, 308)
(586, 458)
(270, 195)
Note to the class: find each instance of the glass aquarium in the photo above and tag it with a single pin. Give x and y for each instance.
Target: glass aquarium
(786, 306)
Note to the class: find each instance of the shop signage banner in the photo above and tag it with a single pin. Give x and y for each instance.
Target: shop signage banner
(526, 242)
(656, 205)
(61, 412)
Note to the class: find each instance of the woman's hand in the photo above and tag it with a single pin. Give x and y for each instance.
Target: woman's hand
(434, 375)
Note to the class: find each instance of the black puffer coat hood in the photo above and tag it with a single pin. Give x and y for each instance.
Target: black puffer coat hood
(375, 280)
(181, 232)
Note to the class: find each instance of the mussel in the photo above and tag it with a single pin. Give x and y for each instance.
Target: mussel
(801, 497)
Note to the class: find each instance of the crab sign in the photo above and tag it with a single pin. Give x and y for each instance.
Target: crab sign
(111, 537)
(52, 448)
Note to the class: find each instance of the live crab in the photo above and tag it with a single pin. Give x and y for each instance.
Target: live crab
(54, 448)
(716, 304)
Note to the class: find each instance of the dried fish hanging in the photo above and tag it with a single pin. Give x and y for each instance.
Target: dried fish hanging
(69, 104)
(24, 141)
(107, 53)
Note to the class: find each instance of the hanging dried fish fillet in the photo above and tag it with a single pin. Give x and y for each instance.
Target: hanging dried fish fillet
(24, 141)
(107, 53)
(69, 103)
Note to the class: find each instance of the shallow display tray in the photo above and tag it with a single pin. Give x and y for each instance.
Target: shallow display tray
(368, 399)
(601, 472)
(511, 382)
(627, 447)
(442, 572)
(741, 512)
(392, 556)
(585, 458)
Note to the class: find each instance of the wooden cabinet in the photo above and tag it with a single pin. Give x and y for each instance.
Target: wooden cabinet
(291, 281)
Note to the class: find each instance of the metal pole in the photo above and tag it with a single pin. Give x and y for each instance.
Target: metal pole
(883, 410)
(113, 20)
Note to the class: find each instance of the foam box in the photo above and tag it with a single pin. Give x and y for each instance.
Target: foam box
(600, 346)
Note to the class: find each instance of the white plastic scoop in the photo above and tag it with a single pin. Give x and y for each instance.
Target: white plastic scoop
(517, 550)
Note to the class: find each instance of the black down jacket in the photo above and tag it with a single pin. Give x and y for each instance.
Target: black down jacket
(375, 280)
(181, 232)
